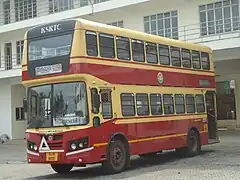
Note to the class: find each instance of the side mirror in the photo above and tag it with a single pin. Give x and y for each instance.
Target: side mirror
(25, 105)
(96, 122)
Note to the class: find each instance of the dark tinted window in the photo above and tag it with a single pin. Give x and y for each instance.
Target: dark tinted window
(151, 51)
(175, 56)
(91, 43)
(179, 103)
(138, 50)
(186, 58)
(156, 104)
(164, 55)
(168, 104)
(128, 104)
(106, 43)
(123, 48)
(142, 104)
(190, 103)
(196, 60)
(205, 61)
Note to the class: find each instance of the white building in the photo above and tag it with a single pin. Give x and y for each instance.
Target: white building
(211, 22)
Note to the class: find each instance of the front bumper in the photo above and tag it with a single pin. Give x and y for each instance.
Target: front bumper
(84, 156)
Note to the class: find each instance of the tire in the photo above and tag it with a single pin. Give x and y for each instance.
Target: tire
(118, 158)
(193, 145)
(62, 168)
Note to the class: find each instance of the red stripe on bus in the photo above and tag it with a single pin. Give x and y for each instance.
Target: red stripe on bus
(133, 76)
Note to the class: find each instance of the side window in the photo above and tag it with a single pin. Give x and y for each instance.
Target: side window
(106, 100)
(93, 92)
(142, 104)
(106, 43)
(91, 43)
(200, 103)
(34, 106)
(128, 104)
(151, 51)
(123, 48)
(164, 55)
(205, 61)
(179, 104)
(190, 103)
(168, 104)
(186, 58)
(138, 50)
(196, 60)
(156, 104)
(175, 56)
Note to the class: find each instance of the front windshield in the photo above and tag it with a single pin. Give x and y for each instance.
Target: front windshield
(58, 105)
(49, 47)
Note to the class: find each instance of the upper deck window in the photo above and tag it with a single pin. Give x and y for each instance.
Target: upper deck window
(49, 47)
(138, 50)
(106, 43)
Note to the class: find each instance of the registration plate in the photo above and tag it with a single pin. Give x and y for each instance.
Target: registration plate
(51, 156)
(49, 69)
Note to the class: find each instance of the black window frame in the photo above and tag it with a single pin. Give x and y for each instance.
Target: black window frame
(127, 41)
(141, 52)
(151, 53)
(133, 105)
(145, 103)
(95, 44)
(104, 53)
(162, 56)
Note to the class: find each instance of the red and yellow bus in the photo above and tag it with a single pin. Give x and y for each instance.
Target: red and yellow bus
(100, 94)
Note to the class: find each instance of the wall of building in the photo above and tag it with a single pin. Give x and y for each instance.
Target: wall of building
(18, 124)
(5, 108)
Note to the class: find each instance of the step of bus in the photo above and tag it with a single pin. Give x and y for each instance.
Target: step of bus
(213, 141)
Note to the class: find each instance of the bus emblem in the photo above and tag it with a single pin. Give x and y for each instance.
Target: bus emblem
(44, 145)
(160, 78)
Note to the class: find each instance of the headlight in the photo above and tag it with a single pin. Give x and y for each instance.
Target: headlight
(35, 147)
(32, 146)
(73, 146)
(78, 144)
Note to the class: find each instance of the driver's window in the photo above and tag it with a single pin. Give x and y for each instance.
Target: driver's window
(106, 100)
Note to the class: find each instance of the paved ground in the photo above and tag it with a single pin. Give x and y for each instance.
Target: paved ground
(220, 161)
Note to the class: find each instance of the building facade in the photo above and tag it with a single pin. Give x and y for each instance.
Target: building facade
(214, 23)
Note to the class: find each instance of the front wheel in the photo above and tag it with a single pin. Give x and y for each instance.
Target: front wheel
(117, 158)
(62, 168)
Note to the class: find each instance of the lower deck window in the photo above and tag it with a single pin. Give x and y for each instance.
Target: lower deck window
(168, 104)
(142, 104)
(128, 104)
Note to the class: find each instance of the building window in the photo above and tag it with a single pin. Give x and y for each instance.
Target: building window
(19, 113)
(60, 5)
(6, 12)
(8, 55)
(163, 24)
(19, 47)
(117, 24)
(219, 17)
(25, 9)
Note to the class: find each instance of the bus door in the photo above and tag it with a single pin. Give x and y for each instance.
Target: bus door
(210, 98)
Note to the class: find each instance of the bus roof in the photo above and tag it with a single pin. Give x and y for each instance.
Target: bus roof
(104, 28)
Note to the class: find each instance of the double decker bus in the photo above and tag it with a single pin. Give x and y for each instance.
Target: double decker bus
(101, 94)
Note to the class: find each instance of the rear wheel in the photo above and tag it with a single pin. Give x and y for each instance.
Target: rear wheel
(193, 145)
(117, 158)
(62, 168)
